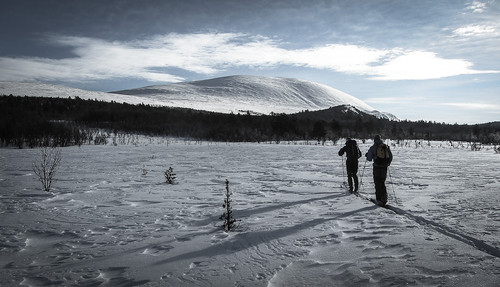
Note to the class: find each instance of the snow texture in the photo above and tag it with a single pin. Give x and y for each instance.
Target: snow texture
(113, 221)
(233, 94)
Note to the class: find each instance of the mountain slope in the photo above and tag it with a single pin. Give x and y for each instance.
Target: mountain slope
(252, 93)
(261, 95)
(57, 91)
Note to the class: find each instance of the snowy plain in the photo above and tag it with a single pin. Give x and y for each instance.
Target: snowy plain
(111, 220)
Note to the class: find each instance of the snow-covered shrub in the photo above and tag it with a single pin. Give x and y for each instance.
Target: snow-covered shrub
(475, 147)
(45, 167)
(101, 139)
(170, 176)
(227, 216)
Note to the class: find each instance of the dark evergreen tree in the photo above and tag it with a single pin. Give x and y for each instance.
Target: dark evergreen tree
(227, 216)
(170, 176)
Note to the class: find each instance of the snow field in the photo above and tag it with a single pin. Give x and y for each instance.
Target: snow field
(107, 224)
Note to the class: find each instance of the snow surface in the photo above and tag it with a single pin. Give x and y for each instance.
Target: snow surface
(108, 223)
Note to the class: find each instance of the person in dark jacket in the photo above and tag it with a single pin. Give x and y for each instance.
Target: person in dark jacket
(353, 153)
(382, 158)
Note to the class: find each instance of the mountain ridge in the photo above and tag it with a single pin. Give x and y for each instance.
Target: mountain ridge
(60, 91)
(257, 94)
(230, 94)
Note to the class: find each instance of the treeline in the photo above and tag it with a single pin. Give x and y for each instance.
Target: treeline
(37, 121)
(360, 125)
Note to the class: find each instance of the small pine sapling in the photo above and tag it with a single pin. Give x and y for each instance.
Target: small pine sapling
(227, 216)
(170, 176)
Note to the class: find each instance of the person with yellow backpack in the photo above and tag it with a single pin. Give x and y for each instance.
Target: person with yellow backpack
(381, 155)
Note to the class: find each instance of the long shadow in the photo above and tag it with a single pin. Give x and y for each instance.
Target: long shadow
(445, 230)
(253, 211)
(450, 232)
(109, 257)
(244, 241)
(254, 238)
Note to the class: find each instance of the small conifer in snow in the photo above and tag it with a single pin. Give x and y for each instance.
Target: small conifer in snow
(227, 216)
(170, 176)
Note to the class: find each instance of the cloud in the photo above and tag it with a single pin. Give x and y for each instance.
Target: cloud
(476, 6)
(475, 30)
(394, 100)
(349, 59)
(421, 65)
(210, 53)
(474, 106)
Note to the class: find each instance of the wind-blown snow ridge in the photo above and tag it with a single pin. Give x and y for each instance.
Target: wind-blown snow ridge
(252, 93)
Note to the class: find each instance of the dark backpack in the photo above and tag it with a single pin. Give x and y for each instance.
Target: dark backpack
(383, 155)
(352, 149)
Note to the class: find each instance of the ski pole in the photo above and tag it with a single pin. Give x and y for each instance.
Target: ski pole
(392, 184)
(362, 174)
(343, 173)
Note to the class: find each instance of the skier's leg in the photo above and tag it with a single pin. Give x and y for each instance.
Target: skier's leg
(378, 188)
(379, 176)
(350, 168)
(384, 188)
(349, 179)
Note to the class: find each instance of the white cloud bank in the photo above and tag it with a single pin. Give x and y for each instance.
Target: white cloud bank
(476, 6)
(149, 59)
(474, 106)
(395, 100)
(476, 30)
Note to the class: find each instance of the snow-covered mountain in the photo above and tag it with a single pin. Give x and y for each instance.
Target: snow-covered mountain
(57, 91)
(260, 95)
(252, 93)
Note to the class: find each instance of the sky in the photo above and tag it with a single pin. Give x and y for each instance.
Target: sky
(417, 59)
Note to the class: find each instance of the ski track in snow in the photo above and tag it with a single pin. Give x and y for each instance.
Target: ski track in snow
(477, 243)
(108, 224)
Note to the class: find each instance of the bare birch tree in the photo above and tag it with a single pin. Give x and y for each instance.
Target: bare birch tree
(45, 167)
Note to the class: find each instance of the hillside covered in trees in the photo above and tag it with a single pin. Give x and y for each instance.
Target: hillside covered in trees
(36, 121)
